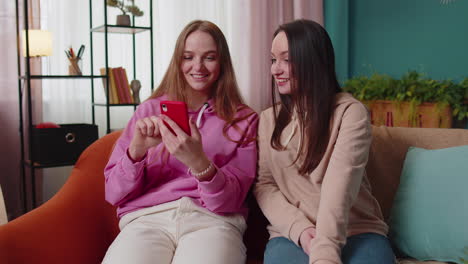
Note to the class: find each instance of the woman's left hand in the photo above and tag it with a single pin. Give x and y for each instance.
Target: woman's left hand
(187, 149)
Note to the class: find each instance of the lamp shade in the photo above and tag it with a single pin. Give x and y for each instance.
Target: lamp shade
(40, 43)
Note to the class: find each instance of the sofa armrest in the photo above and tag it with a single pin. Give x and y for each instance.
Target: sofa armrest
(75, 226)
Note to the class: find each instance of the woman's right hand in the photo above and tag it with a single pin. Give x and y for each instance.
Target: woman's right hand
(306, 237)
(146, 135)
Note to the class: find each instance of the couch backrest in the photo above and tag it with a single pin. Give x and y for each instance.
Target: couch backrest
(388, 151)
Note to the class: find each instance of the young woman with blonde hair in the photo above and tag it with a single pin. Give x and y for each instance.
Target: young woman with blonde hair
(181, 197)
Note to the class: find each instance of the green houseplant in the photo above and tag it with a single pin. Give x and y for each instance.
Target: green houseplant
(411, 100)
(463, 260)
(124, 18)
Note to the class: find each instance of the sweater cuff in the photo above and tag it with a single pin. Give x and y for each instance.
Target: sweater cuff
(135, 161)
(322, 261)
(297, 228)
(214, 185)
(131, 167)
(324, 252)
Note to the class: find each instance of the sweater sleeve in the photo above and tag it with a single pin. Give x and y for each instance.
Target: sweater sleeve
(226, 191)
(341, 185)
(123, 177)
(285, 217)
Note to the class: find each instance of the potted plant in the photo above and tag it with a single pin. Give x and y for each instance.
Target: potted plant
(412, 101)
(124, 18)
(463, 260)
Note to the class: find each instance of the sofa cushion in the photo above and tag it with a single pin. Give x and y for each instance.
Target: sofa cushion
(388, 150)
(430, 211)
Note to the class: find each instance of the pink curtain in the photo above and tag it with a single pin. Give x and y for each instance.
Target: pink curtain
(10, 177)
(255, 24)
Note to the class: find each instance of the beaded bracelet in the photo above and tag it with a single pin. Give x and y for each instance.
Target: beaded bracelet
(203, 172)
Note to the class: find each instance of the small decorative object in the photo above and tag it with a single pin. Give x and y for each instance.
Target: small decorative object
(135, 85)
(74, 67)
(47, 125)
(75, 60)
(124, 19)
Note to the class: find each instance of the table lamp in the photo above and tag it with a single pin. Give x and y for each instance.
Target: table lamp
(40, 43)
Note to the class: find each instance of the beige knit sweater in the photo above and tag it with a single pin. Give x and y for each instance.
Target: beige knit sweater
(335, 198)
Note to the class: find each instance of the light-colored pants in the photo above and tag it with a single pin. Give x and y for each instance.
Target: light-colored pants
(178, 232)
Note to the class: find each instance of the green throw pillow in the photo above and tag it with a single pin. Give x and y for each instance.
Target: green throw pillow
(429, 217)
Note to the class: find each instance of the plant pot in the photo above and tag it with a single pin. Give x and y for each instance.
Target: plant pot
(402, 114)
(123, 20)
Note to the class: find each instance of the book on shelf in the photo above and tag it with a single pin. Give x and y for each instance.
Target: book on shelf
(120, 92)
(111, 95)
(126, 84)
(104, 81)
(118, 85)
(123, 86)
(115, 97)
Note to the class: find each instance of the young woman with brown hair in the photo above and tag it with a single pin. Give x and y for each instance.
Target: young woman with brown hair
(313, 149)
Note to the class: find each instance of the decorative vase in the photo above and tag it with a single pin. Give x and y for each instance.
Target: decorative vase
(135, 86)
(123, 20)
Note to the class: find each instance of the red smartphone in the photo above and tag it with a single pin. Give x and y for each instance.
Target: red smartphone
(177, 111)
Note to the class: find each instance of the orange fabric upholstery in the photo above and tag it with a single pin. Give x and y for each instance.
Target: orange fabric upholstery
(75, 226)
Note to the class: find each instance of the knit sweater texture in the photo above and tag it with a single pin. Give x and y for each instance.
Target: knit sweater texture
(160, 178)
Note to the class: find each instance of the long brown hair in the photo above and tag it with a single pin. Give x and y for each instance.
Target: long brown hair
(312, 66)
(225, 92)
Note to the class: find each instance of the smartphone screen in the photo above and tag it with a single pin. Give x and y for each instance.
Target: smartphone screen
(177, 111)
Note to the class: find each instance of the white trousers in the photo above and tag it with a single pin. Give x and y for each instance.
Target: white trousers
(178, 232)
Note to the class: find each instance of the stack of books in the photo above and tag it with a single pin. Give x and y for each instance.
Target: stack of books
(120, 92)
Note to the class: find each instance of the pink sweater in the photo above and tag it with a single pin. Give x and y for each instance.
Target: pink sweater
(335, 198)
(132, 186)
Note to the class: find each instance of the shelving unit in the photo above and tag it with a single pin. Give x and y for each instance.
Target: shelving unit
(30, 152)
(131, 31)
(28, 133)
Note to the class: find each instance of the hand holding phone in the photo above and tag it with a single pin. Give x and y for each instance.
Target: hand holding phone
(177, 111)
(188, 150)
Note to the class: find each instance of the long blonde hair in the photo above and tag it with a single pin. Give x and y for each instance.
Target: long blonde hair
(225, 92)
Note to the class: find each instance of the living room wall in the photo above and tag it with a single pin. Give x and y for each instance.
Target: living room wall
(393, 37)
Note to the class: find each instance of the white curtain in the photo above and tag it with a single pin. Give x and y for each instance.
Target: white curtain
(64, 99)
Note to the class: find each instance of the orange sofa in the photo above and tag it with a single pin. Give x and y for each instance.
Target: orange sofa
(77, 224)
